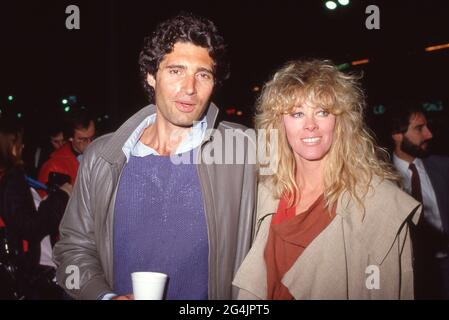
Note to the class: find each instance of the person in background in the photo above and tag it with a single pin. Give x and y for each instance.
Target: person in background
(54, 140)
(332, 220)
(23, 226)
(426, 178)
(66, 159)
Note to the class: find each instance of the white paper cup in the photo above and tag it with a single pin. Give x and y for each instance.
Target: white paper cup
(148, 285)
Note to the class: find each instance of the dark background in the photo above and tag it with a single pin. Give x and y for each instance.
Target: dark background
(42, 62)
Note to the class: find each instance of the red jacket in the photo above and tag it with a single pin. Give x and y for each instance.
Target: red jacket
(63, 161)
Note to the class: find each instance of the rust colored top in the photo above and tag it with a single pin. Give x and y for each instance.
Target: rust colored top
(289, 236)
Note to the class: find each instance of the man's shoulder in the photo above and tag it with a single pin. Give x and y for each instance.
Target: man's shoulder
(62, 156)
(438, 158)
(110, 145)
(64, 152)
(101, 141)
(98, 145)
(436, 161)
(232, 125)
(237, 128)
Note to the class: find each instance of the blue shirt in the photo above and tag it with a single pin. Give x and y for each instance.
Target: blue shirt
(133, 146)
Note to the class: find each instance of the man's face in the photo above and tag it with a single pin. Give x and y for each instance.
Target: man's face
(183, 85)
(57, 141)
(415, 141)
(83, 137)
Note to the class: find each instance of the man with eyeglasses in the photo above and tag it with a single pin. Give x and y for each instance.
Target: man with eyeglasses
(66, 159)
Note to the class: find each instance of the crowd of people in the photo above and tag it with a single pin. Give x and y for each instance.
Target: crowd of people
(337, 217)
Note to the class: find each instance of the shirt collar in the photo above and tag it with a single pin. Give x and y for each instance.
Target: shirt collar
(419, 164)
(133, 146)
(403, 166)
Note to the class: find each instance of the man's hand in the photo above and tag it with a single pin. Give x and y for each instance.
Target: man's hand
(67, 187)
(127, 297)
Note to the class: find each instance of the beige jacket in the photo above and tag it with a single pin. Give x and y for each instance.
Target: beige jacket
(355, 257)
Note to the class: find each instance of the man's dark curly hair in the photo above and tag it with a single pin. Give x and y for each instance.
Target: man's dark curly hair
(182, 28)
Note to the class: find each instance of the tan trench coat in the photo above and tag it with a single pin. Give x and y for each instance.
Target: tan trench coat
(355, 257)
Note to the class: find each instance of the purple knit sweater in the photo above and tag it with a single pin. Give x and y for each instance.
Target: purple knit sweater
(160, 225)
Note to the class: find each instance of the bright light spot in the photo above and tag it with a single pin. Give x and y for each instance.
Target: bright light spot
(10, 98)
(67, 109)
(19, 115)
(331, 5)
(437, 47)
(359, 62)
(343, 2)
(256, 89)
(343, 66)
(64, 101)
(380, 109)
(239, 113)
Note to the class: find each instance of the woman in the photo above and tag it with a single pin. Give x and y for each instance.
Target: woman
(22, 226)
(332, 221)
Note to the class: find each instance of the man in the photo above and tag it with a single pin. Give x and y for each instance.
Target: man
(54, 141)
(136, 208)
(57, 139)
(427, 179)
(65, 160)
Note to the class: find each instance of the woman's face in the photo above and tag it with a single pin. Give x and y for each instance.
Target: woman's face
(310, 131)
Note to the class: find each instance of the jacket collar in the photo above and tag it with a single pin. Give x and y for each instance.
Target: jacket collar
(385, 204)
(112, 152)
(269, 203)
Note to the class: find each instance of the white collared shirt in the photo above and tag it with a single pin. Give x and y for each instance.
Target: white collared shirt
(133, 146)
(431, 211)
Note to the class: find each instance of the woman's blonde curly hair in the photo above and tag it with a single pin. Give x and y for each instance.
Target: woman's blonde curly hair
(354, 157)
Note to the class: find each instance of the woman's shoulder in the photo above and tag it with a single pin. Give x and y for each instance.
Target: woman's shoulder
(387, 210)
(385, 197)
(13, 183)
(13, 175)
(388, 190)
(384, 201)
